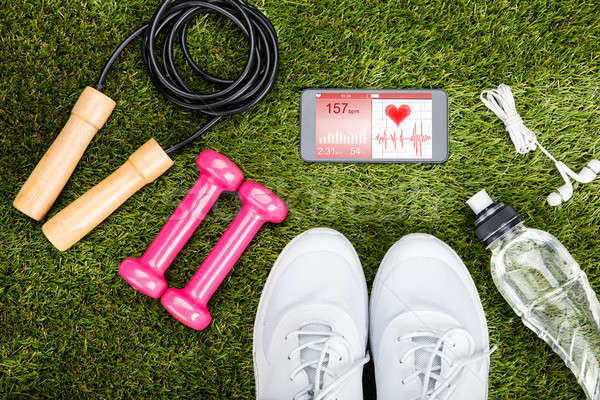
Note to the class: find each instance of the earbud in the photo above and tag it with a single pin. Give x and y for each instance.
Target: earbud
(589, 172)
(561, 195)
(564, 193)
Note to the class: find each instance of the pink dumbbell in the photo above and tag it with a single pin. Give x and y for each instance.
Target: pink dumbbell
(188, 305)
(217, 174)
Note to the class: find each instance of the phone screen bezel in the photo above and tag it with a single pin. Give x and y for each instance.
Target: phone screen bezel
(439, 129)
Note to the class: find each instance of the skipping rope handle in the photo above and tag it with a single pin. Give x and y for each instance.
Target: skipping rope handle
(81, 216)
(47, 180)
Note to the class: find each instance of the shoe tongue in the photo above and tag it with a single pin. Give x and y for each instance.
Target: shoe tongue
(312, 355)
(423, 357)
(456, 347)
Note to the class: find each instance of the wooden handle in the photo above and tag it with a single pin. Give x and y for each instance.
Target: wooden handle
(81, 216)
(45, 183)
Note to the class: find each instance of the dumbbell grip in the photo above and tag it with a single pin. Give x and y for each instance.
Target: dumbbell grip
(181, 224)
(47, 180)
(224, 255)
(81, 216)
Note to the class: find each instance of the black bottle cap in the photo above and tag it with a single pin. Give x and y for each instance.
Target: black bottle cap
(493, 219)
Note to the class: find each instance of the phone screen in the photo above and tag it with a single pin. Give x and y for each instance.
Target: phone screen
(374, 125)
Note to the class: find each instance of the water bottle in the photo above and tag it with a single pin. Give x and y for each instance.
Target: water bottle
(545, 286)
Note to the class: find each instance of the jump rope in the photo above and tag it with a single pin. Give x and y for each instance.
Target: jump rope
(169, 25)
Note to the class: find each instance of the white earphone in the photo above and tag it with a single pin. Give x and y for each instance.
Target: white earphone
(564, 193)
(502, 103)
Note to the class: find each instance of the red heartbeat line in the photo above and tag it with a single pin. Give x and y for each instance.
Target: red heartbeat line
(417, 139)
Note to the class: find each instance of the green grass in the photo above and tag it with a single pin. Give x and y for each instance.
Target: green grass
(69, 325)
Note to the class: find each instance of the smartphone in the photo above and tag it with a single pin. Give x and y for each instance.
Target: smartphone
(369, 125)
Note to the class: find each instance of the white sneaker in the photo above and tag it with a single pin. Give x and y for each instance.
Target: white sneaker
(429, 336)
(310, 333)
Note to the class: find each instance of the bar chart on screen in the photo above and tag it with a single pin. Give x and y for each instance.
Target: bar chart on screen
(337, 137)
(401, 128)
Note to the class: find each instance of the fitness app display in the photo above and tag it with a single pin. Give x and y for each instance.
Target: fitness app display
(374, 126)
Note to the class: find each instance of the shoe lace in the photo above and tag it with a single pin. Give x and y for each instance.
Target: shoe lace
(434, 383)
(320, 342)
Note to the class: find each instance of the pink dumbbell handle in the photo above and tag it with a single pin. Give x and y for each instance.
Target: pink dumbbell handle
(181, 224)
(224, 255)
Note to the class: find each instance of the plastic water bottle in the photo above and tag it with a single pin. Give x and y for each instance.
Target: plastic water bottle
(545, 286)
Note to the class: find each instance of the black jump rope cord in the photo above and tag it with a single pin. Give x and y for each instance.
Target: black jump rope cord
(170, 22)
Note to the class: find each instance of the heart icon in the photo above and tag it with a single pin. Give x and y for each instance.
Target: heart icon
(397, 114)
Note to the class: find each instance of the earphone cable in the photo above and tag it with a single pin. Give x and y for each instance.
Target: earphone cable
(502, 103)
(171, 23)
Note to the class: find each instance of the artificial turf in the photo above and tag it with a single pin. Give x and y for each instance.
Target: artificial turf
(69, 325)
